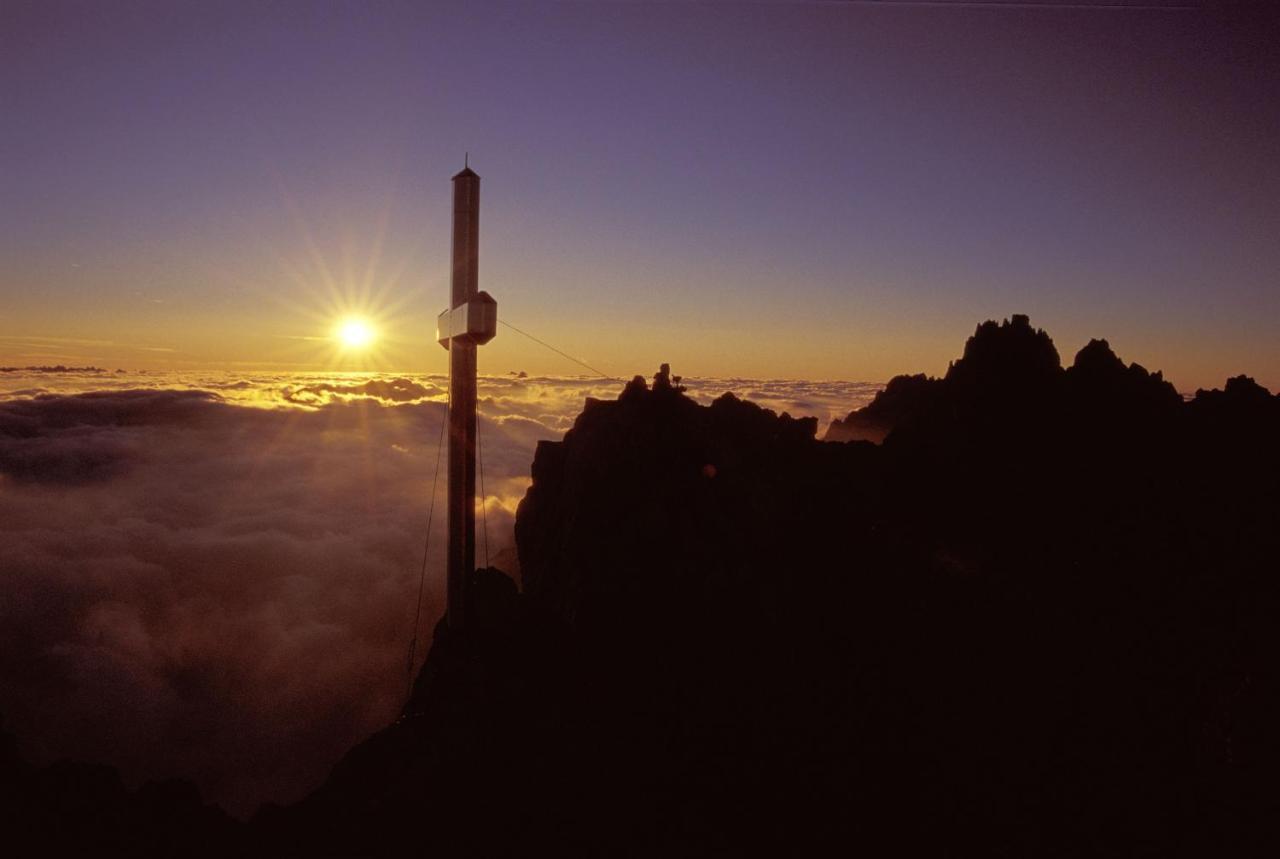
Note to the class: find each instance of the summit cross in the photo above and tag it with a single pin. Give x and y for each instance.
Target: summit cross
(470, 321)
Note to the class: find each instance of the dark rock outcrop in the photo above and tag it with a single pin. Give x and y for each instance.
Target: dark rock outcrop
(905, 400)
(1010, 381)
(75, 809)
(1038, 620)
(1005, 361)
(1100, 388)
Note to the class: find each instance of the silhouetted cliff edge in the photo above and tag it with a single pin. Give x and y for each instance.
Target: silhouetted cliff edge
(1010, 377)
(1038, 620)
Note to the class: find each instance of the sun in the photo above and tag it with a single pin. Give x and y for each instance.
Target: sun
(355, 333)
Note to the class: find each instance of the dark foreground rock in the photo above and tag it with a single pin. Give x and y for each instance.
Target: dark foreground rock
(79, 809)
(1038, 620)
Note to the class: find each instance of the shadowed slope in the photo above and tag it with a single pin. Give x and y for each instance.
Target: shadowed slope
(1037, 620)
(77, 809)
(1033, 622)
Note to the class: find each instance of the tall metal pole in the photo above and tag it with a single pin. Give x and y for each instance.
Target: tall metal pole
(462, 398)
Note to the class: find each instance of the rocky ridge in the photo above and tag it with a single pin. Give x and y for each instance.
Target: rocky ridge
(1037, 619)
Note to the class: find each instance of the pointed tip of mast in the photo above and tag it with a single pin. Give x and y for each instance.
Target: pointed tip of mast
(466, 167)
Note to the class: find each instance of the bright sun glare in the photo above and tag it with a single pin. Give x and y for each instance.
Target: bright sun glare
(355, 333)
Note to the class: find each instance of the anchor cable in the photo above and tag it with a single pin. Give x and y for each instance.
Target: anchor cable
(484, 508)
(560, 352)
(426, 545)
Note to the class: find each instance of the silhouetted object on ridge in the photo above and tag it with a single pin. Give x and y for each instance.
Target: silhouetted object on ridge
(664, 382)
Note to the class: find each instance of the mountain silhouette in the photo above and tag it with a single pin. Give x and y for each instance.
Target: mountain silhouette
(71, 808)
(1036, 618)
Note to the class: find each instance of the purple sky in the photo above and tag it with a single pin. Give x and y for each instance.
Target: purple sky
(758, 189)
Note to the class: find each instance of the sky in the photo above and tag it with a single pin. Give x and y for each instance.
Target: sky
(762, 189)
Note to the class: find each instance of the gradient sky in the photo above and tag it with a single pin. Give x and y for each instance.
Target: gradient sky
(772, 189)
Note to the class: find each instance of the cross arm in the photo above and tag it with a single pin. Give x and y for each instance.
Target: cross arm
(473, 321)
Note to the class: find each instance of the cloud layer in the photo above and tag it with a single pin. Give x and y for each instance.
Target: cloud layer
(215, 577)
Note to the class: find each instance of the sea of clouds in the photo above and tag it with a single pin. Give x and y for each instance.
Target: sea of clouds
(215, 576)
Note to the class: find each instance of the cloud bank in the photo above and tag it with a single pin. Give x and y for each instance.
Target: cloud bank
(214, 576)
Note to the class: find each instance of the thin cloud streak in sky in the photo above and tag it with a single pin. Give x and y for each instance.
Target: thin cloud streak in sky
(79, 341)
